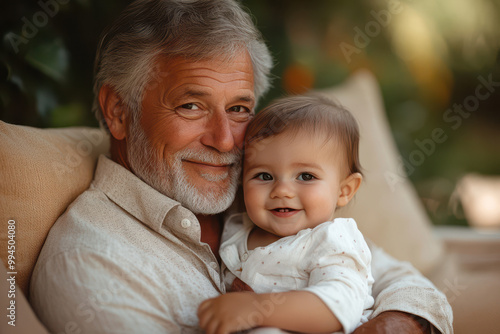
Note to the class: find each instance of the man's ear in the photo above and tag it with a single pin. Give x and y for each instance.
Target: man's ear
(114, 112)
(348, 188)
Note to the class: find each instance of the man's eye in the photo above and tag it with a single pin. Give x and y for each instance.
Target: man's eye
(239, 109)
(239, 113)
(306, 177)
(190, 111)
(264, 176)
(190, 106)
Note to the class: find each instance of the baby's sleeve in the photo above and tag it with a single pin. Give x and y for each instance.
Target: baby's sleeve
(338, 262)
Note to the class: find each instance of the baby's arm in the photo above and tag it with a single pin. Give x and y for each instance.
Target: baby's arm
(299, 311)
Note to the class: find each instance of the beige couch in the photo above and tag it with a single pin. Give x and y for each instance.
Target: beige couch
(43, 170)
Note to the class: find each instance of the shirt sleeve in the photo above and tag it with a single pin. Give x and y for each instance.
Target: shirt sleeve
(339, 266)
(84, 292)
(400, 287)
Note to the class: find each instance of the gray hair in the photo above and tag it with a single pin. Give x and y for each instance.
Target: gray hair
(193, 29)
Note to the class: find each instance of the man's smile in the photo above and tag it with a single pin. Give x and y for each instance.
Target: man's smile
(210, 167)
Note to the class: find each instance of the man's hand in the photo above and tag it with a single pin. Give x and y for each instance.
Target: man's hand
(229, 313)
(395, 322)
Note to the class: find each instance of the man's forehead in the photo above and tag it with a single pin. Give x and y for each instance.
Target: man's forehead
(197, 77)
(240, 62)
(181, 78)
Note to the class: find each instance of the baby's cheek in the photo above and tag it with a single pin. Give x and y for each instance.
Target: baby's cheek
(253, 201)
(320, 208)
(249, 196)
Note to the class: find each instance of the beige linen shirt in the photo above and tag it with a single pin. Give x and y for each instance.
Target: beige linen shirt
(124, 258)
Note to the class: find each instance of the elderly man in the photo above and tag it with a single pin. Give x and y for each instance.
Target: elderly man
(176, 84)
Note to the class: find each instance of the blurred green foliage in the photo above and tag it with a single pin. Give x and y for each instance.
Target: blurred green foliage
(427, 56)
(47, 56)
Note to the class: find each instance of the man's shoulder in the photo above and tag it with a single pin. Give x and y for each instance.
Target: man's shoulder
(86, 214)
(89, 222)
(87, 238)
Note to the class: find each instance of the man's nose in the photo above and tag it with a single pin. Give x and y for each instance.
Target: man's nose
(219, 133)
(282, 189)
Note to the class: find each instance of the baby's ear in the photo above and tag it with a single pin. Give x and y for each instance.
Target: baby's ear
(348, 188)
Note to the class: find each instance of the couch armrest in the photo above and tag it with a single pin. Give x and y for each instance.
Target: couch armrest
(475, 247)
(469, 275)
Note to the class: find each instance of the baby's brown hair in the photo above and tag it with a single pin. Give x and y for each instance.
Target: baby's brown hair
(314, 113)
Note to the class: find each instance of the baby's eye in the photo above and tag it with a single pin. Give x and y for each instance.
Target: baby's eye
(264, 176)
(306, 177)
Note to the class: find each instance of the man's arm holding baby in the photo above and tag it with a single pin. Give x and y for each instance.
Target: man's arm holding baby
(405, 301)
(395, 322)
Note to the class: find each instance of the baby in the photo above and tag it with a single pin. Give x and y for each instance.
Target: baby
(309, 272)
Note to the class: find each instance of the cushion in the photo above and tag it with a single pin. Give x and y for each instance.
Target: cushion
(470, 277)
(41, 172)
(386, 207)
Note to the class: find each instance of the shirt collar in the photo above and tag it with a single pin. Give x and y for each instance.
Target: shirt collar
(135, 196)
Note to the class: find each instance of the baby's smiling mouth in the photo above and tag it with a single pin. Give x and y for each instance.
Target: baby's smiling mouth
(284, 212)
(283, 209)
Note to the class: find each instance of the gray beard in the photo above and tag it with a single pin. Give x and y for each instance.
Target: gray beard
(170, 179)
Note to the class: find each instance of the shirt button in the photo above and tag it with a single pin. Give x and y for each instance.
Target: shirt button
(244, 257)
(214, 265)
(185, 223)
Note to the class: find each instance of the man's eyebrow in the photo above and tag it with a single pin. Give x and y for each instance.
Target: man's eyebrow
(194, 93)
(246, 98)
(201, 93)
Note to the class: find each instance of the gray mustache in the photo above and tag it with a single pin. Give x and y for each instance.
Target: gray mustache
(225, 158)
